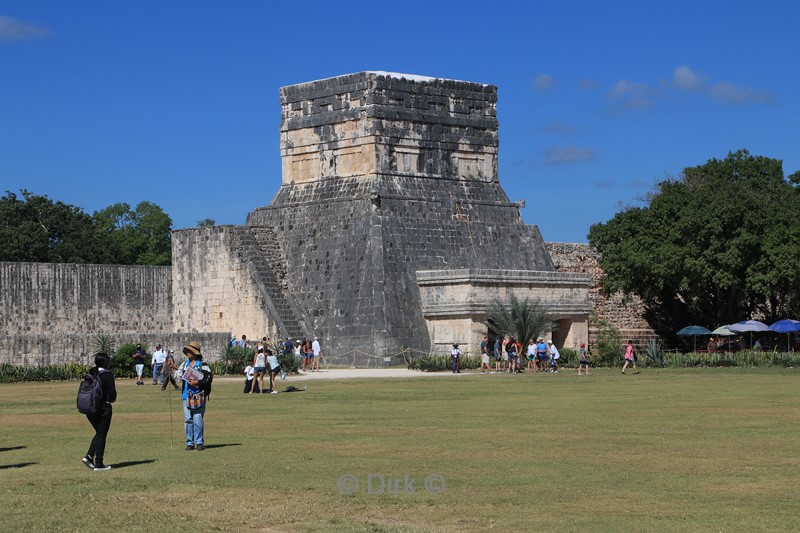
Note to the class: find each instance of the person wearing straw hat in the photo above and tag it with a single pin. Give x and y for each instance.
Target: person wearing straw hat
(197, 379)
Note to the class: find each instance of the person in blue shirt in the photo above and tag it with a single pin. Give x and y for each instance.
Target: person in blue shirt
(196, 391)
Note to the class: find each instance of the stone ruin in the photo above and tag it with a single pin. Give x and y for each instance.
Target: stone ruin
(390, 230)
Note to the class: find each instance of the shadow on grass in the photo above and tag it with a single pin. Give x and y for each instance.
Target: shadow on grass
(209, 446)
(18, 465)
(12, 448)
(132, 463)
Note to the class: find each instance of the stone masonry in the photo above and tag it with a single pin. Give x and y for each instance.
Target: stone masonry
(385, 175)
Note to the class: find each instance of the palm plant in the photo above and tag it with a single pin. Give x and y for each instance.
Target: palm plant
(522, 319)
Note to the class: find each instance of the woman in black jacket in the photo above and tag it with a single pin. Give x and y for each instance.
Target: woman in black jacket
(101, 420)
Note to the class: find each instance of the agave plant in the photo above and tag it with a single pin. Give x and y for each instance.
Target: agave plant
(102, 343)
(655, 352)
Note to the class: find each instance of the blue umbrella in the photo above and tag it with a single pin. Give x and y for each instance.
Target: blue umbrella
(694, 331)
(787, 325)
(746, 326)
(750, 326)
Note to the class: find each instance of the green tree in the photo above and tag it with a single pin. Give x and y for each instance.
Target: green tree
(135, 237)
(522, 319)
(35, 228)
(722, 241)
(206, 223)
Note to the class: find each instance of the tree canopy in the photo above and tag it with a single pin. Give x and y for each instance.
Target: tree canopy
(722, 242)
(36, 229)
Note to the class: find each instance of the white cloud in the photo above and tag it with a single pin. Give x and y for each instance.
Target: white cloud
(14, 30)
(588, 84)
(560, 128)
(729, 92)
(562, 155)
(632, 95)
(544, 82)
(686, 79)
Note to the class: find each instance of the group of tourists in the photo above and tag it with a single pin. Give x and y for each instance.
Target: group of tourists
(163, 365)
(506, 353)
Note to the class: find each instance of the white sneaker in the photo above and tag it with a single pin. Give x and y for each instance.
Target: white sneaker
(101, 468)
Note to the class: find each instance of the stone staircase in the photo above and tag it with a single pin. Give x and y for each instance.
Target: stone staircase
(258, 246)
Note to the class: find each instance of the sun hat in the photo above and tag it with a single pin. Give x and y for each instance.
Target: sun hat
(193, 348)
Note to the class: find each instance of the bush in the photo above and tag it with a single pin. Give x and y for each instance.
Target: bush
(655, 353)
(609, 345)
(234, 359)
(569, 357)
(440, 363)
(64, 372)
(122, 362)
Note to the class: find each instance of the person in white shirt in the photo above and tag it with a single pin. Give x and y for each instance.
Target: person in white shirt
(316, 350)
(554, 355)
(159, 356)
(249, 374)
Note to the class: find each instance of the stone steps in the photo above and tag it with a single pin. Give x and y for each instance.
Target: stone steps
(253, 252)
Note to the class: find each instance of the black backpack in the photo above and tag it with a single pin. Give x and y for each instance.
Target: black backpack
(90, 394)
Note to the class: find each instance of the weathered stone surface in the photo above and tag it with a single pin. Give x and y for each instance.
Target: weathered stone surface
(627, 313)
(384, 176)
(52, 313)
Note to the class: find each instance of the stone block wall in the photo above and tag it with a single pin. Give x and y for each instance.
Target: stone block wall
(51, 313)
(627, 313)
(214, 290)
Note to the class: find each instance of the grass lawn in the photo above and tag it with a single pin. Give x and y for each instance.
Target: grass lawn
(666, 450)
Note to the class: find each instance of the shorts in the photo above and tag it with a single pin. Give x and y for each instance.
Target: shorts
(512, 356)
(531, 357)
(497, 357)
(139, 370)
(543, 358)
(485, 358)
(584, 362)
(261, 369)
(276, 370)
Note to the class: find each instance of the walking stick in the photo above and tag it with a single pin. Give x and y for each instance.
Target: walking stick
(171, 424)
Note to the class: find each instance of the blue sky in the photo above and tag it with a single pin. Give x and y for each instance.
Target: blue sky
(176, 102)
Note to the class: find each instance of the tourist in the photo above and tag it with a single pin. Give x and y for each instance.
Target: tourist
(233, 342)
(485, 356)
(316, 354)
(168, 369)
(554, 356)
(583, 362)
(244, 343)
(541, 354)
(260, 368)
(138, 363)
(511, 351)
(455, 356)
(530, 355)
(101, 420)
(196, 392)
(274, 369)
(298, 355)
(498, 354)
(630, 358)
(712, 345)
(307, 352)
(250, 384)
(159, 356)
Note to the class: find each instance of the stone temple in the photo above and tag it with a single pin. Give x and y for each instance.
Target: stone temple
(390, 229)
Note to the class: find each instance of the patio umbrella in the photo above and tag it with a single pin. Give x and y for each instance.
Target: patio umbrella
(694, 331)
(788, 326)
(723, 331)
(748, 326)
